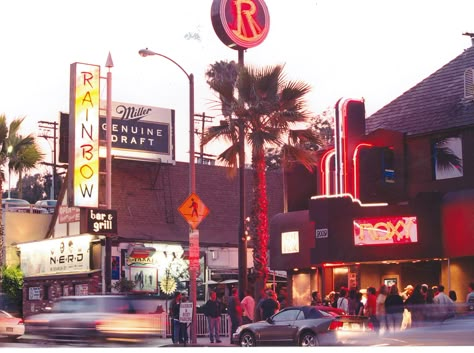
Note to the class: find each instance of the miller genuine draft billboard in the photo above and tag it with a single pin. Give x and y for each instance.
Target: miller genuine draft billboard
(140, 132)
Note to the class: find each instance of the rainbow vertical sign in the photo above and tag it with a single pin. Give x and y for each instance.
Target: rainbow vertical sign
(83, 188)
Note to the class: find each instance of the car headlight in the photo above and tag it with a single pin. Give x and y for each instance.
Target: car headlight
(239, 329)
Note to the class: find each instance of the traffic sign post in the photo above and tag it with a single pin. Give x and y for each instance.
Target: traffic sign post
(193, 211)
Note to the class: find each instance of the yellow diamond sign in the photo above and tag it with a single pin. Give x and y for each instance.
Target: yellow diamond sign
(193, 210)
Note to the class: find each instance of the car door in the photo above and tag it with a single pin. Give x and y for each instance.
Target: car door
(281, 327)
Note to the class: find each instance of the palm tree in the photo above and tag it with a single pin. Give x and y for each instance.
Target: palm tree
(22, 153)
(269, 107)
(24, 156)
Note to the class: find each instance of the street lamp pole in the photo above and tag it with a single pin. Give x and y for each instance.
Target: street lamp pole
(192, 175)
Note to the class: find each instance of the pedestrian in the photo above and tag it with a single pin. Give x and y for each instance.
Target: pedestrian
(269, 306)
(380, 306)
(174, 314)
(470, 297)
(283, 297)
(315, 298)
(359, 311)
(445, 306)
(213, 311)
(352, 301)
(371, 308)
(342, 301)
(394, 308)
(248, 308)
(183, 326)
(234, 309)
(452, 294)
(415, 304)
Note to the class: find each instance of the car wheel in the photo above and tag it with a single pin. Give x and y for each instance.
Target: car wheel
(308, 339)
(247, 339)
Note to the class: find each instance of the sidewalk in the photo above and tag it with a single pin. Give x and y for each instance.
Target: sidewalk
(200, 342)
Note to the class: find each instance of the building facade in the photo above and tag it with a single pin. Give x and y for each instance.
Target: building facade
(407, 216)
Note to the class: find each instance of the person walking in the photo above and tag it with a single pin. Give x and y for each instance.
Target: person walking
(234, 309)
(445, 305)
(213, 311)
(394, 308)
(248, 308)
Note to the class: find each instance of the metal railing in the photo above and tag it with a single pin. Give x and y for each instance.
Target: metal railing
(202, 325)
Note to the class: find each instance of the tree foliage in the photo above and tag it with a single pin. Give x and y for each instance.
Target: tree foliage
(12, 285)
(270, 111)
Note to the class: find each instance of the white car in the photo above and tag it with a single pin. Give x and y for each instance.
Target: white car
(11, 326)
(49, 205)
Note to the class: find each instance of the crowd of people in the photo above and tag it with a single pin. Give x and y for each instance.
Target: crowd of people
(387, 309)
(390, 310)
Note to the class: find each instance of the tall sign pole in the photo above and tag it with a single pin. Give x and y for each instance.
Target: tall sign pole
(241, 24)
(108, 173)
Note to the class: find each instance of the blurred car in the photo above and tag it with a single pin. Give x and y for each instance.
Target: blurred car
(49, 205)
(352, 327)
(11, 326)
(97, 318)
(294, 325)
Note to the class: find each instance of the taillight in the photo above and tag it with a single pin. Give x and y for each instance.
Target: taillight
(20, 322)
(335, 324)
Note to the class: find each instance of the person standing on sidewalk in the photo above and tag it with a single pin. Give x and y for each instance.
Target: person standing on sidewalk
(174, 314)
(235, 311)
(248, 308)
(213, 311)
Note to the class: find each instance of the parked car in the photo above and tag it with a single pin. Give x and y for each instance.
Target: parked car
(11, 203)
(97, 318)
(11, 326)
(294, 325)
(20, 205)
(49, 205)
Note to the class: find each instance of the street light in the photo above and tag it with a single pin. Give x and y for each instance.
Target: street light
(192, 172)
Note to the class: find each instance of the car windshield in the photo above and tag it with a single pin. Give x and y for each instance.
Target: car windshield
(286, 315)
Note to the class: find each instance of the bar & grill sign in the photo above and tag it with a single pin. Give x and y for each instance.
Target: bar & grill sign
(99, 221)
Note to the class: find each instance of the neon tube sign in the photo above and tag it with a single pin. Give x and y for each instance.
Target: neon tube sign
(385, 230)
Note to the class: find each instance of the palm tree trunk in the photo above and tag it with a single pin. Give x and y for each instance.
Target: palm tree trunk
(260, 221)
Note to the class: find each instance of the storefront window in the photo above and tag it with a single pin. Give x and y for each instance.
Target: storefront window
(340, 278)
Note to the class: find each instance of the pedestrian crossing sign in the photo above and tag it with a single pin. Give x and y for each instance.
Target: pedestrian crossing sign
(193, 210)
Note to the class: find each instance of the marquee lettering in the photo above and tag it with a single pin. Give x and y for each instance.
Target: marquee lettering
(394, 230)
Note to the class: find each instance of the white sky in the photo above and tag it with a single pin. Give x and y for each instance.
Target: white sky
(366, 48)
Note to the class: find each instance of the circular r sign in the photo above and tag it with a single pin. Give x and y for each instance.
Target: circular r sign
(240, 24)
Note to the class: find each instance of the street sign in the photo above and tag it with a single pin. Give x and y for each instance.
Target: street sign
(186, 312)
(193, 210)
(194, 250)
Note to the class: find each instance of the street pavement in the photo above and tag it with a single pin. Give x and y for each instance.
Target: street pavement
(156, 342)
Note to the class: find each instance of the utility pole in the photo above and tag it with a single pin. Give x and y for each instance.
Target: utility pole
(203, 119)
(48, 130)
